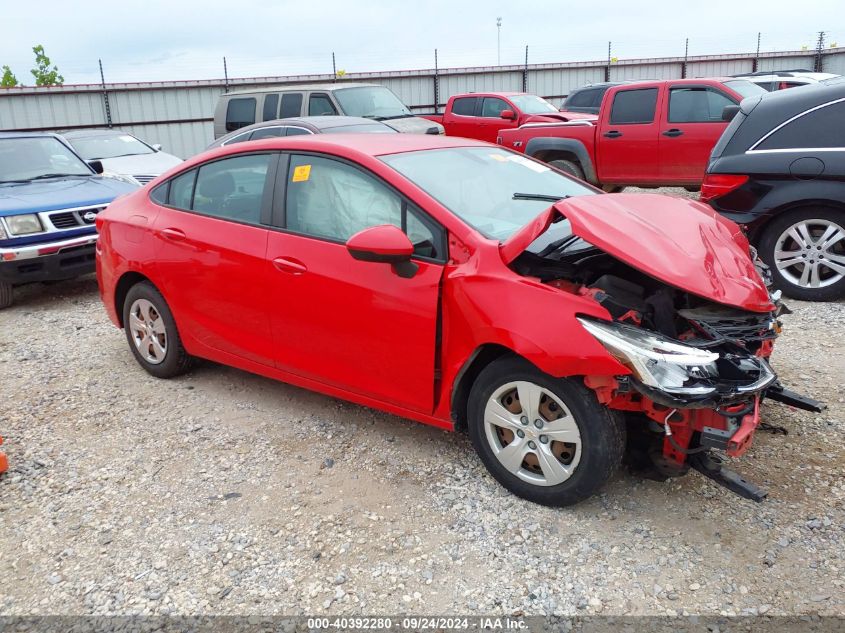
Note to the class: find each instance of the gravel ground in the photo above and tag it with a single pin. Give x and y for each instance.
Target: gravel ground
(223, 492)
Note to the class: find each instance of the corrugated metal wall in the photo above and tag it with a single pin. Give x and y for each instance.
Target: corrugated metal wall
(178, 114)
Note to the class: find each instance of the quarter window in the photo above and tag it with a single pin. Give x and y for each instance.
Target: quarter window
(697, 105)
(465, 106)
(296, 131)
(819, 128)
(291, 105)
(232, 188)
(492, 107)
(240, 113)
(633, 106)
(320, 105)
(332, 200)
(267, 132)
(271, 107)
(182, 190)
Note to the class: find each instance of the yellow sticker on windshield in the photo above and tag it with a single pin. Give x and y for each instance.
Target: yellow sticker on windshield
(301, 173)
(498, 157)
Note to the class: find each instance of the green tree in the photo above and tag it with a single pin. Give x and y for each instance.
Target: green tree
(44, 75)
(8, 80)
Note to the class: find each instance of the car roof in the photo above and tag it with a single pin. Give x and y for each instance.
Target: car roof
(304, 87)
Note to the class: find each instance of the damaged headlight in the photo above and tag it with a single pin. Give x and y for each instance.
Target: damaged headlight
(656, 361)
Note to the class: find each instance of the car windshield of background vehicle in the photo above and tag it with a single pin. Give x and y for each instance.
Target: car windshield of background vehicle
(478, 185)
(371, 102)
(532, 104)
(372, 128)
(30, 158)
(99, 147)
(745, 88)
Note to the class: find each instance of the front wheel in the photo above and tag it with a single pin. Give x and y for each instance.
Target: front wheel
(6, 297)
(545, 439)
(805, 250)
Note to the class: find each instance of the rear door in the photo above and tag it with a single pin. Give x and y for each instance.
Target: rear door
(461, 119)
(211, 247)
(693, 123)
(354, 325)
(627, 145)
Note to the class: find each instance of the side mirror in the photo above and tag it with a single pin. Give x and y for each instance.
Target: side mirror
(508, 114)
(157, 147)
(385, 244)
(729, 112)
(96, 165)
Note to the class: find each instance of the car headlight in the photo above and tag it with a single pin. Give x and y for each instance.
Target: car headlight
(24, 224)
(121, 177)
(654, 360)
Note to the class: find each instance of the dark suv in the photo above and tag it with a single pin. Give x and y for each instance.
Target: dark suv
(779, 171)
(587, 99)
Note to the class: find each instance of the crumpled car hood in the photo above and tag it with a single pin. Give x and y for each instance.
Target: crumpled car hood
(683, 243)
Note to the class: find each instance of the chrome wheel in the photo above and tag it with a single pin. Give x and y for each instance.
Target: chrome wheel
(148, 331)
(532, 433)
(811, 253)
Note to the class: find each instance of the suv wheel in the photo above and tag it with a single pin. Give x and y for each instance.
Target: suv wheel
(805, 250)
(5, 294)
(545, 439)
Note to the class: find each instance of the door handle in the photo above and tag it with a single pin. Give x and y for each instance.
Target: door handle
(613, 134)
(673, 132)
(289, 265)
(174, 234)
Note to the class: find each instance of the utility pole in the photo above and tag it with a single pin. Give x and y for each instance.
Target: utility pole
(334, 68)
(105, 94)
(498, 41)
(819, 50)
(225, 76)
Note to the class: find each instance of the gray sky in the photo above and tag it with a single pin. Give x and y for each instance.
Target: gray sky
(186, 39)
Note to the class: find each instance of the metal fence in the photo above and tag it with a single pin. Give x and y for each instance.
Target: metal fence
(178, 114)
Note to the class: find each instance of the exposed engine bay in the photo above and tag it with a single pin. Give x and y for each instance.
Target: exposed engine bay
(698, 369)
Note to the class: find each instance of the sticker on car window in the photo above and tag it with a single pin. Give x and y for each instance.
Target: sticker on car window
(526, 162)
(301, 173)
(498, 157)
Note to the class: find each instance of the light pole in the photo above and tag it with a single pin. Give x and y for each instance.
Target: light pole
(498, 41)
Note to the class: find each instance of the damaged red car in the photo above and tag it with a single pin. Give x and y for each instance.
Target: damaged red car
(462, 285)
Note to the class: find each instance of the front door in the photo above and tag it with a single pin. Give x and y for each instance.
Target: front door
(627, 138)
(354, 325)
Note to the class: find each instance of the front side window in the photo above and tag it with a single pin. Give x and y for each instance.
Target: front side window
(465, 106)
(819, 128)
(240, 113)
(633, 106)
(483, 184)
(271, 107)
(32, 157)
(697, 105)
(320, 105)
(291, 105)
(492, 107)
(330, 199)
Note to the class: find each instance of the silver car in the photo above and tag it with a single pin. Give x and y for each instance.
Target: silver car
(122, 154)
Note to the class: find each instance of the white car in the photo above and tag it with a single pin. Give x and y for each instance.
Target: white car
(123, 155)
(773, 80)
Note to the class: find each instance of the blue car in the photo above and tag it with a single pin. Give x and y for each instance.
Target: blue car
(49, 200)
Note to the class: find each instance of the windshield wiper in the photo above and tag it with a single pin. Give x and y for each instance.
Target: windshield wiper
(43, 176)
(395, 116)
(558, 245)
(538, 196)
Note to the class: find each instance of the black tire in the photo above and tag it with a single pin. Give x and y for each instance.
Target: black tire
(6, 298)
(612, 188)
(176, 360)
(768, 243)
(568, 167)
(602, 432)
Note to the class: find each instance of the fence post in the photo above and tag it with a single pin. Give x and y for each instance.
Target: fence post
(684, 65)
(607, 68)
(436, 85)
(756, 63)
(334, 69)
(105, 94)
(818, 66)
(225, 76)
(525, 72)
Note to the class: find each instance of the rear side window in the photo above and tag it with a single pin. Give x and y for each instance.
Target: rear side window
(320, 105)
(492, 107)
(271, 107)
(582, 99)
(820, 128)
(291, 105)
(240, 113)
(297, 131)
(633, 106)
(465, 106)
(696, 105)
(232, 188)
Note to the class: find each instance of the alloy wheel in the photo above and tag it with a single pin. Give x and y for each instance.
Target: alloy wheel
(811, 253)
(148, 331)
(532, 433)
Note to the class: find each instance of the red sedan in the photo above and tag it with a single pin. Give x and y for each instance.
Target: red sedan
(456, 283)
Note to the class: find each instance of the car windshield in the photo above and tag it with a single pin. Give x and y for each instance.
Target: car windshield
(532, 104)
(107, 146)
(372, 102)
(494, 190)
(745, 88)
(31, 157)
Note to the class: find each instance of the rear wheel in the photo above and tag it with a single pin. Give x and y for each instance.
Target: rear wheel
(545, 439)
(805, 250)
(5, 294)
(612, 188)
(568, 167)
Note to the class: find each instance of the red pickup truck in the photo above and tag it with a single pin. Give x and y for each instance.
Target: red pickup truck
(648, 133)
(481, 115)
